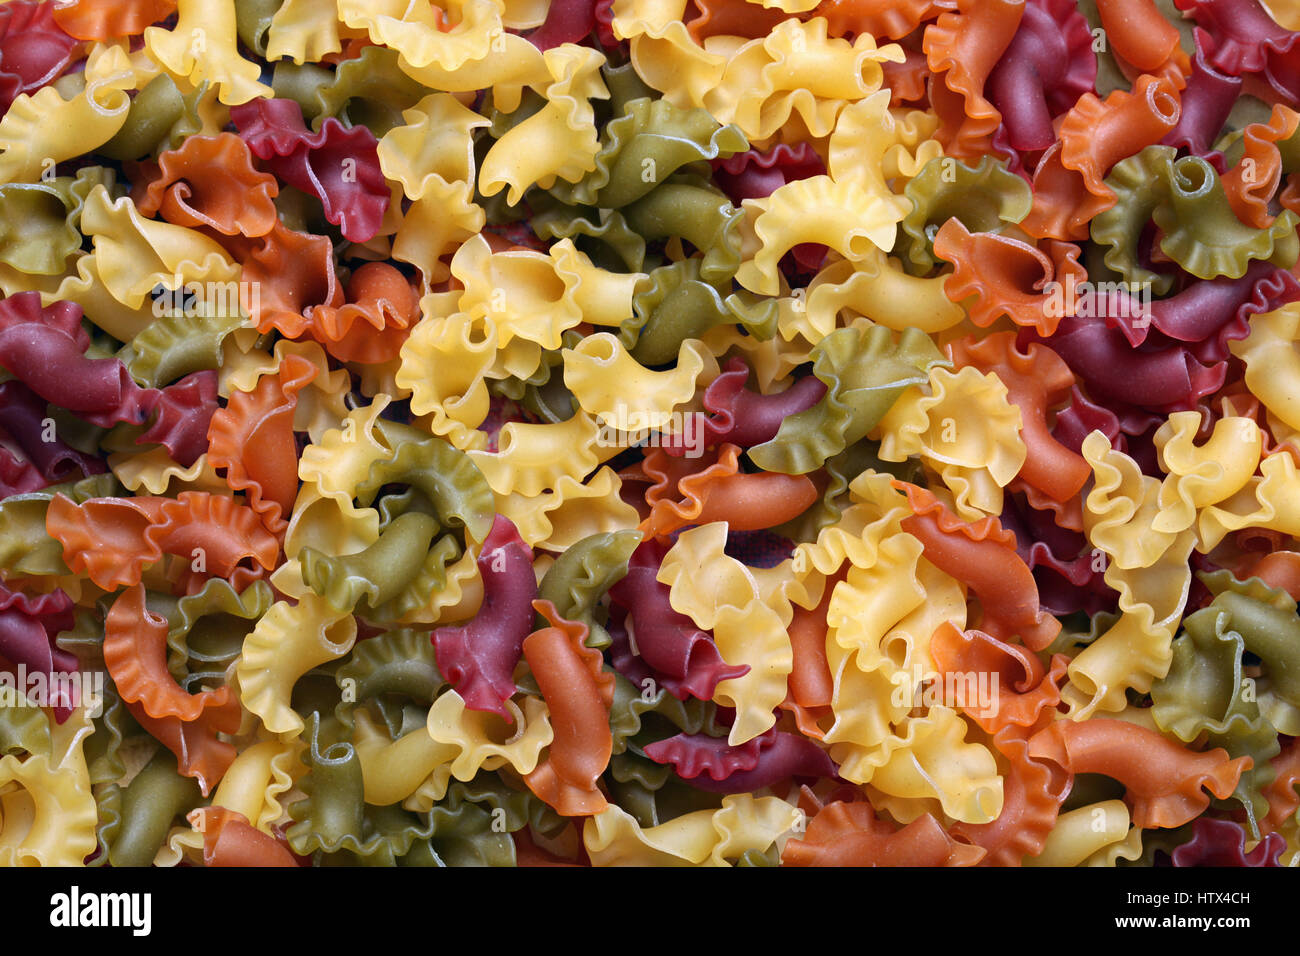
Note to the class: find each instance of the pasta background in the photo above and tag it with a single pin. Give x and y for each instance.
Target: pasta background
(649, 432)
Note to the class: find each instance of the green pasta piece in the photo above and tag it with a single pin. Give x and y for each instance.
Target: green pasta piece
(160, 118)
(379, 573)
(103, 747)
(985, 198)
(301, 82)
(446, 476)
(865, 372)
(173, 346)
(678, 304)
(24, 727)
(400, 663)
(37, 231)
(252, 20)
(624, 85)
(700, 214)
(209, 626)
(648, 142)
(582, 575)
(632, 704)
(330, 817)
(154, 798)
(369, 90)
(603, 234)
(1204, 236)
(1203, 690)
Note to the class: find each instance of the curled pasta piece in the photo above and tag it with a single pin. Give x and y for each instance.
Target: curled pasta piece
(1165, 783)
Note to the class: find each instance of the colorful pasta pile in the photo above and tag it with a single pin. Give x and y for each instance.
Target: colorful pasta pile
(655, 432)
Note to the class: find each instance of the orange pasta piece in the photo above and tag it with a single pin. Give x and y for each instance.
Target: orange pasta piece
(111, 540)
(1250, 184)
(221, 531)
(1283, 798)
(996, 275)
(292, 272)
(1278, 569)
(104, 538)
(579, 695)
(849, 834)
(962, 47)
(891, 19)
(199, 752)
(906, 81)
(720, 492)
(211, 181)
(230, 840)
(381, 307)
(1094, 135)
(1138, 32)
(252, 439)
(1032, 794)
(982, 554)
(110, 19)
(733, 18)
(1035, 380)
(1163, 780)
(135, 653)
(1027, 695)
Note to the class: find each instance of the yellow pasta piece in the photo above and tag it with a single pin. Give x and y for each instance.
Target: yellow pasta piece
(202, 47)
(1080, 834)
(966, 429)
(557, 142)
(133, 255)
(304, 30)
(43, 128)
(413, 29)
(47, 810)
(484, 741)
(720, 594)
(256, 780)
(435, 145)
(611, 385)
(1201, 475)
(393, 770)
(154, 472)
(286, 643)
(841, 215)
(703, 838)
(444, 364)
(1272, 362)
(932, 759)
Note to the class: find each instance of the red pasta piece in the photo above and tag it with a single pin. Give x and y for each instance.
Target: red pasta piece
(34, 49)
(23, 418)
(710, 763)
(669, 648)
(1223, 843)
(567, 21)
(337, 165)
(479, 657)
(28, 627)
(740, 416)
